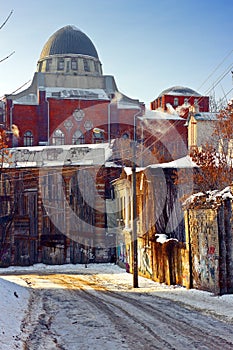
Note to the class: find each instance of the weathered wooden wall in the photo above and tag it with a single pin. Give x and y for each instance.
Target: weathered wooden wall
(165, 262)
(54, 215)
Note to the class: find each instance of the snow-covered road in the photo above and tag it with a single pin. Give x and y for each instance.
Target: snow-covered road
(74, 308)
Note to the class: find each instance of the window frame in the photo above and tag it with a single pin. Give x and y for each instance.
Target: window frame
(28, 138)
(58, 139)
(60, 64)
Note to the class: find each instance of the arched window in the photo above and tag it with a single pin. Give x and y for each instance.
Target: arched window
(98, 135)
(125, 136)
(78, 138)
(28, 138)
(58, 137)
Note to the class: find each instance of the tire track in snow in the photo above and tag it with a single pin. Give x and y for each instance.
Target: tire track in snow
(163, 325)
(180, 323)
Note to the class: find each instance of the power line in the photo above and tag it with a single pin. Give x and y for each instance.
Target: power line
(215, 69)
(6, 19)
(5, 58)
(220, 78)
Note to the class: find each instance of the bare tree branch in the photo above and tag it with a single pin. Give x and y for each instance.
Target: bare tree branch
(6, 20)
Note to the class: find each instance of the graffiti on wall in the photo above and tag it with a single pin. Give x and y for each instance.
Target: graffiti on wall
(145, 263)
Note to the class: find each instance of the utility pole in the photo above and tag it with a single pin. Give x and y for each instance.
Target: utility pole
(135, 239)
(134, 213)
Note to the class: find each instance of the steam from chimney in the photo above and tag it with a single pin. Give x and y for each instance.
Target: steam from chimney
(15, 130)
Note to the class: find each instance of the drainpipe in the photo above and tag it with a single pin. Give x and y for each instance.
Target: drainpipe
(134, 123)
(11, 114)
(48, 125)
(109, 122)
(11, 122)
(135, 238)
(134, 216)
(190, 286)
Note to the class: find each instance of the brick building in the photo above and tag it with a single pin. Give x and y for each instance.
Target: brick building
(165, 137)
(181, 99)
(53, 205)
(69, 101)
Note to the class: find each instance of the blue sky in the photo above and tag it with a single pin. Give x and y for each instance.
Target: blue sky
(147, 45)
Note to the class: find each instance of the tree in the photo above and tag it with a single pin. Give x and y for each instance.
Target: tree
(214, 164)
(1, 26)
(4, 153)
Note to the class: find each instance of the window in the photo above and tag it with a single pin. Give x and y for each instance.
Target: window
(40, 67)
(86, 65)
(78, 138)
(96, 66)
(176, 101)
(48, 65)
(58, 137)
(4, 195)
(74, 64)
(98, 136)
(28, 138)
(60, 64)
(4, 185)
(125, 136)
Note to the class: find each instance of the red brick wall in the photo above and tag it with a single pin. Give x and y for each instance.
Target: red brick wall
(203, 102)
(34, 118)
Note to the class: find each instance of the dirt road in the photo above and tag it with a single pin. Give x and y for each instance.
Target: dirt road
(87, 311)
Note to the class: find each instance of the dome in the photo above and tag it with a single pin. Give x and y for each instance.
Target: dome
(69, 52)
(68, 40)
(179, 90)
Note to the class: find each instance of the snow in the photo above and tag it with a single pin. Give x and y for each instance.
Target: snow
(206, 116)
(62, 92)
(128, 170)
(179, 91)
(157, 114)
(15, 294)
(184, 162)
(162, 238)
(13, 303)
(43, 156)
(215, 196)
(84, 93)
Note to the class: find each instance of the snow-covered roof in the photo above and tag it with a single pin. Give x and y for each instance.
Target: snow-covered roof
(44, 156)
(208, 199)
(184, 162)
(179, 91)
(29, 99)
(205, 116)
(128, 170)
(61, 92)
(124, 102)
(159, 115)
